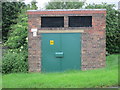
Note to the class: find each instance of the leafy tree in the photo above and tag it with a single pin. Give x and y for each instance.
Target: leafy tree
(33, 5)
(112, 29)
(0, 22)
(18, 35)
(64, 5)
(17, 43)
(10, 11)
(13, 63)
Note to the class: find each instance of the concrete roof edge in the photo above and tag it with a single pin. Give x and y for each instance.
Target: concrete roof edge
(65, 10)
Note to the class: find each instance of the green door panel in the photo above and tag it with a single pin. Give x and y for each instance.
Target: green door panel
(61, 51)
(49, 61)
(71, 48)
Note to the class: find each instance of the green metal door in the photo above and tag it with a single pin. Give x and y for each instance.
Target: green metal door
(71, 48)
(49, 61)
(61, 52)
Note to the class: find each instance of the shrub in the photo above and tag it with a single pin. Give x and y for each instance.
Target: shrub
(14, 62)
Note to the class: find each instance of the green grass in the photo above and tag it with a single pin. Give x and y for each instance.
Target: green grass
(105, 77)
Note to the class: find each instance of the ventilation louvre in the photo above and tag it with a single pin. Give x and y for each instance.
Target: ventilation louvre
(52, 21)
(80, 21)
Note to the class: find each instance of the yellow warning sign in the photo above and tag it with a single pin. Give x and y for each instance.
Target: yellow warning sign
(51, 42)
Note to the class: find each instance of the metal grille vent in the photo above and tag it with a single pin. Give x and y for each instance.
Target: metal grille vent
(80, 21)
(52, 21)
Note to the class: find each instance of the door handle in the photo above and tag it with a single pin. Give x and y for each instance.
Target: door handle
(59, 54)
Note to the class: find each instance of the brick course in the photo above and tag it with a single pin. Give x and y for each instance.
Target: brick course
(93, 38)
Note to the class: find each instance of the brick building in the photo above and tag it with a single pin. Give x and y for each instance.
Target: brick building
(70, 25)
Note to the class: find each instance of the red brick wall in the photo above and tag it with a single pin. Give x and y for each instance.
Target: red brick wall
(93, 38)
(94, 44)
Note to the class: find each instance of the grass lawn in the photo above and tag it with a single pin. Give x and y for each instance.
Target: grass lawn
(105, 77)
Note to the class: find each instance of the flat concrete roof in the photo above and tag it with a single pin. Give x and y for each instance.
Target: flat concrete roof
(67, 10)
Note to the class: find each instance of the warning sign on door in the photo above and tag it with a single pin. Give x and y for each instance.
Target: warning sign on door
(51, 42)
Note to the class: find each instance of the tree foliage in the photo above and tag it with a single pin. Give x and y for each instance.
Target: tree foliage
(14, 62)
(64, 5)
(0, 22)
(33, 5)
(10, 11)
(112, 29)
(17, 43)
(18, 36)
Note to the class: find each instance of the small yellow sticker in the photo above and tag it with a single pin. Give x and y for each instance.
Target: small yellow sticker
(51, 42)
